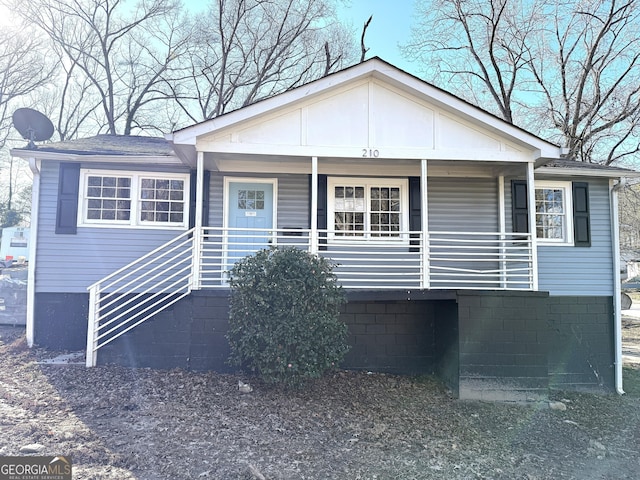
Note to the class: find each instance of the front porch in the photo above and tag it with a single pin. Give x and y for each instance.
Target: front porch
(201, 258)
(482, 344)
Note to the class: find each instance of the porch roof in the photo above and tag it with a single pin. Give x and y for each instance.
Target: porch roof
(371, 105)
(105, 148)
(566, 167)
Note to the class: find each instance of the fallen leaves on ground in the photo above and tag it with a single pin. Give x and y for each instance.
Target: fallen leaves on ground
(121, 423)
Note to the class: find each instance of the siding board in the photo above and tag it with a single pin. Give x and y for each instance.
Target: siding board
(70, 263)
(581, 271)
(463, 204)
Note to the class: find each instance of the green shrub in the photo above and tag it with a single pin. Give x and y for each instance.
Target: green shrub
(284, 321)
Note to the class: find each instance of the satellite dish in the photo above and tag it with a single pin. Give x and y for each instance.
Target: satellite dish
(32, 125)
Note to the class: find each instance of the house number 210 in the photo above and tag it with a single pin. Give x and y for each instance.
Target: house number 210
(370, 153)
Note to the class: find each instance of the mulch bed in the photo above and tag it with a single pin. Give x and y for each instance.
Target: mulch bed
(119, 423)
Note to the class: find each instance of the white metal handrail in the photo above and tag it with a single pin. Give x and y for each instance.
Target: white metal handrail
(400, 260)
(467, 260)
(136, 292)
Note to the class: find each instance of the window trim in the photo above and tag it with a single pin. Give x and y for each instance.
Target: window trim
(368, 182)
(568, 236)
(136, 202)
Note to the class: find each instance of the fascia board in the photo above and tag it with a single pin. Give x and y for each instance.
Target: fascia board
(579, 172)
(74, 157)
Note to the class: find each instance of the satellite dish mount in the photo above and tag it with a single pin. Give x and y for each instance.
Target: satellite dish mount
(33, 126)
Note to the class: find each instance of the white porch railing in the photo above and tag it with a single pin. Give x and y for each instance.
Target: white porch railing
(402, 260)
(458, 260)
(138, 291)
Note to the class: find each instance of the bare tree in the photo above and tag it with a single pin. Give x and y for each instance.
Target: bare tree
(23, 70)
(363, 47)
(247, 50)
(114, 55)
(479, 48)
(588, 68)
(576, 63)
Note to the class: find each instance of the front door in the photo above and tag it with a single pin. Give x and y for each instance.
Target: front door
(250, 217)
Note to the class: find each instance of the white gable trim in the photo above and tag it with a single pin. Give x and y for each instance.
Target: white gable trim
(386, 73)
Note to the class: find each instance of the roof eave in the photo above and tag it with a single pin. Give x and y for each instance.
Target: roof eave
(95, 158)
(581, 172)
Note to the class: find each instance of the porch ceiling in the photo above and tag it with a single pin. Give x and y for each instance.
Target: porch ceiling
(280, 164)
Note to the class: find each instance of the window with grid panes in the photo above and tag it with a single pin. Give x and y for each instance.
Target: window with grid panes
(553, 212)
(133, 199)
(375, 208)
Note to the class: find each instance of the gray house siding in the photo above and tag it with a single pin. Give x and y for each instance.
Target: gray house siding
(293, 199)
(70, 263)
(463, 204)
(582, 270)
(569, 270)
(455, 204)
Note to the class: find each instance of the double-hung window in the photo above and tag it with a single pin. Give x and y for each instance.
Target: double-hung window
(554, 221)
(141, 199)
(374, 208)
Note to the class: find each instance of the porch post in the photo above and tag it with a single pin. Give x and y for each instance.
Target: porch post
(532, 225)
(197, 232)
(424, 211)
(313, 246)
(91, 355)
(503, 230)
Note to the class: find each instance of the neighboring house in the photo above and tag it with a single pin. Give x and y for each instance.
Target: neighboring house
(629, 265)
(14, 243)
(425, 202)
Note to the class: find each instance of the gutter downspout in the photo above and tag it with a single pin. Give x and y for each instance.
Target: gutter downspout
(33, 240)
(617, 288)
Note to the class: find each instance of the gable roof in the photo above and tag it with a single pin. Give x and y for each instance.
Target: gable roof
(385, 74)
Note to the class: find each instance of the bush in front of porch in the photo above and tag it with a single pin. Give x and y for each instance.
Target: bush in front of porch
(284, 316)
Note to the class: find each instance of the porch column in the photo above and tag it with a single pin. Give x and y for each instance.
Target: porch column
(531, 190)
(424, 211)
(197, 231)
(503, 230)
(313, 247)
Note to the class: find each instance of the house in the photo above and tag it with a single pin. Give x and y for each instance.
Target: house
(468, 246)
(14, 243)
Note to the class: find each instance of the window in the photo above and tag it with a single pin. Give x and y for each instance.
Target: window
(371, 208)
(111, 198)
(554, 212)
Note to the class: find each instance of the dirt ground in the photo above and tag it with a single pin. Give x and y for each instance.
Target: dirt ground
(119, 423)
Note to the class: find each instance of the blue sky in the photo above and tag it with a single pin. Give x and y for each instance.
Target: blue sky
(391, 25)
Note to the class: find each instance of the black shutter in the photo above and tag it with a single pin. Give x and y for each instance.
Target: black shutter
(192, 198)
(68, 189)
(519, 206)
(205, 198)
(581, 222)
(322, 210)
(415, 213)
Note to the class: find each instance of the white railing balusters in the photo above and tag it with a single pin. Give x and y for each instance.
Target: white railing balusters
(136, 292)
(371, 260)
